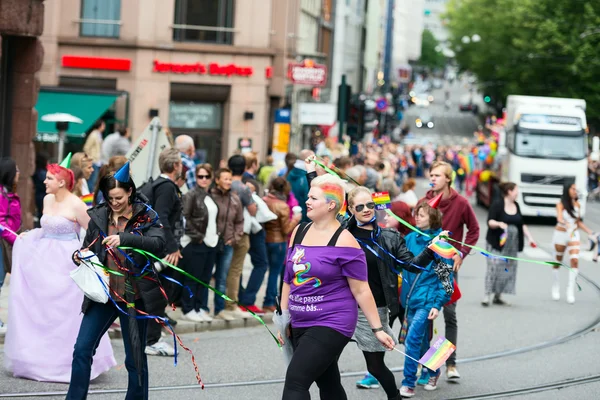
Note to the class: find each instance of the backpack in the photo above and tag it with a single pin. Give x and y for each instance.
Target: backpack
(148, 188)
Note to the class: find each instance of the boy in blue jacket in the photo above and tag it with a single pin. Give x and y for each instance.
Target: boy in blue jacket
(423, 297)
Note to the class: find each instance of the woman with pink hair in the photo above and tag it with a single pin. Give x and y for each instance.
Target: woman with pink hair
(44, 302)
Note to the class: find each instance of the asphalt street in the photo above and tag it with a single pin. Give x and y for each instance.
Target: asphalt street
(233, 363)
(450, 125)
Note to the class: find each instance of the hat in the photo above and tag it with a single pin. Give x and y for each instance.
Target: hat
(122, 175)
(435, 202)
(66, 163)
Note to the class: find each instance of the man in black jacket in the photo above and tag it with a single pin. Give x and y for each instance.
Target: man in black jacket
(166, 199)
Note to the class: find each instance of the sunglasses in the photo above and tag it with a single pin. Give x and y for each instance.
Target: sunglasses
(370, 205)
(203, 177)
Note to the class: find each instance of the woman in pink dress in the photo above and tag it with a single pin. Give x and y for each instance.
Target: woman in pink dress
(44, 304)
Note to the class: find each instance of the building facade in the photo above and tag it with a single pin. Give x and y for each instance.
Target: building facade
(211, 69)
(408, 32)
(434, 19)
(21, 54)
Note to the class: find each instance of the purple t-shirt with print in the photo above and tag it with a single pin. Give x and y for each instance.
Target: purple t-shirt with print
(319, 290)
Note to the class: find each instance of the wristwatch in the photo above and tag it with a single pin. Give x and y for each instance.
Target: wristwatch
(375, 330)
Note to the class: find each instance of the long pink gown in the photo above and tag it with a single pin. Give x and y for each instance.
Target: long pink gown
(44, 306)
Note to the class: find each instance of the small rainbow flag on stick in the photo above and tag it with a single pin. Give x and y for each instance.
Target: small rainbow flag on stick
(444, 249)
(437, 354)
(382, 200)
(503, 238)
(88, 199)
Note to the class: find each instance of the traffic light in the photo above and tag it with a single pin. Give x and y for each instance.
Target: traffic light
(487, 99)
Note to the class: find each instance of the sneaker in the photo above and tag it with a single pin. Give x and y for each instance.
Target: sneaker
(368, 382)
(239, 313)
(405, 391)
(192, 316)
(486, 300)
(204, 315)
(225, 315)
(452, 372)
(424, 378)
(160, 348)
(432, 384)
(269, 309)
(498, 300)
(253, 309)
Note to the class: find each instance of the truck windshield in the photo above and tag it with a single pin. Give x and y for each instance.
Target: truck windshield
(550, 144)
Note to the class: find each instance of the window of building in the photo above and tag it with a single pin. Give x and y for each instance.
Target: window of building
(204, 21)
(100, 18)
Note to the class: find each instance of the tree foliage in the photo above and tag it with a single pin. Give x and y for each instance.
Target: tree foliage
(531, 47)
(430, 56)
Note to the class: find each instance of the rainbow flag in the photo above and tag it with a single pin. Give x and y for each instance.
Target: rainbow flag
(437, 354)
(503, 238)
(344, 209)
(382, 200)
(88, 199)
(444, 249)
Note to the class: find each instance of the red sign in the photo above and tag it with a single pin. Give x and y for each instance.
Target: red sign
(202, 69)
(111, 64)
(307, 73)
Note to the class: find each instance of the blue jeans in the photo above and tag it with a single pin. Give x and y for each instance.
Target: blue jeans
(416, 339)
(223, 262)
(94, 325)
(260, 265)
(277, 252)
(93, 177)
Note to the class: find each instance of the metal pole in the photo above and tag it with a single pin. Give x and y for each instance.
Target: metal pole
(389, 45)
(152, 156)
(342, 110)
(61, 145)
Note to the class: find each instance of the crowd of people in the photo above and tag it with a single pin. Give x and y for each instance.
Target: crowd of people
(335, 267)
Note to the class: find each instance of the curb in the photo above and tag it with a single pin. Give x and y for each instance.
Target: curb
(191, 327)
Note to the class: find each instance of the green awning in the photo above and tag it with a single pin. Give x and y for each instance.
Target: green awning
(86, 106)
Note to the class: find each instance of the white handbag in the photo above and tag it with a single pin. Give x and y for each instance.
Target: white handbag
(263, 213)
(92, 279)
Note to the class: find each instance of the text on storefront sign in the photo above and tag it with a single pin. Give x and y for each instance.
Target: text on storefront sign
(202, 69)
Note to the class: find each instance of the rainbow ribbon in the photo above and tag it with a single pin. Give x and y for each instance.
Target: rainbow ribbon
(149, 255)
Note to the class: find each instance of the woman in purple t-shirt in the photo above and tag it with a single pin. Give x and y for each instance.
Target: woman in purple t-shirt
(324, 284)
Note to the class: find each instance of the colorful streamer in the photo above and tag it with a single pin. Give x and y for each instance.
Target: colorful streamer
(463, 244)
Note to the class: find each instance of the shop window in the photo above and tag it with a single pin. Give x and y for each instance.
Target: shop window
(100, 18)
(204, 21)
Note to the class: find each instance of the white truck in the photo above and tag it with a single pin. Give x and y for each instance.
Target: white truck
(544, 147)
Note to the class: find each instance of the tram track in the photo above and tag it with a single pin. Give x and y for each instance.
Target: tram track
(583, 380)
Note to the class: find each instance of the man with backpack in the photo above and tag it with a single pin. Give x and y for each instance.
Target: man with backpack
(165, 197)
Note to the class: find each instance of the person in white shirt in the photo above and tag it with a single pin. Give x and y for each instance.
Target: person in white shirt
(116, 144)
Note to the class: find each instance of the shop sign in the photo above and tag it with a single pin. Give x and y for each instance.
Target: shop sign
(281, 134)
(307, 73)
(316, 114)
(202, 69)
(104, 63)
(195, 115)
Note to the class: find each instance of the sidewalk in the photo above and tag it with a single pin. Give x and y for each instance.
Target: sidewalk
(182, 326)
